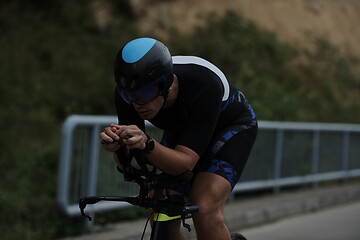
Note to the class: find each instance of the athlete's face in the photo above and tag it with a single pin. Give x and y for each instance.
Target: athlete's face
(149, 110)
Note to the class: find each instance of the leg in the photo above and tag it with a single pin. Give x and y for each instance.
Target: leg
(164, 230)
(210, 192)
(175, 233)
(216, 177)
(175, 224)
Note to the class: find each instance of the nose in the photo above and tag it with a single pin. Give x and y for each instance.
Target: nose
(137, 106)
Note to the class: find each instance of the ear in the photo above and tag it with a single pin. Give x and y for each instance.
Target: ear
(174, 82)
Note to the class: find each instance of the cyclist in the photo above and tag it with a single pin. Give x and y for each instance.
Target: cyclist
(209, 126)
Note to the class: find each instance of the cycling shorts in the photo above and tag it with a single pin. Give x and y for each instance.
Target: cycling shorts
(226, 156)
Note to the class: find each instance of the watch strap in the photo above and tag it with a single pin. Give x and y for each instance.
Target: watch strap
(149, 145)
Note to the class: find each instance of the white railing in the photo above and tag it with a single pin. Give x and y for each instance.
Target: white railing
(284, 154)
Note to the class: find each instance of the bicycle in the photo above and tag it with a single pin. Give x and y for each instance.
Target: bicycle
(166, 207)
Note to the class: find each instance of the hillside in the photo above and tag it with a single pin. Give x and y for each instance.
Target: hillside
(298, 22)
(57, 60)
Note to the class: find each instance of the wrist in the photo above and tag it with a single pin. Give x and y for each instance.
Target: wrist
(149, 145)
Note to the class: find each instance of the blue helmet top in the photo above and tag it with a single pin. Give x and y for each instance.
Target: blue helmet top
(143, 61)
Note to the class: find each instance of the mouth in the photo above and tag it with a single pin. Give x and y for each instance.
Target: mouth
(143, 112)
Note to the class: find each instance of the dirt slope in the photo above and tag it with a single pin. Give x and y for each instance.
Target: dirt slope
(294, 21)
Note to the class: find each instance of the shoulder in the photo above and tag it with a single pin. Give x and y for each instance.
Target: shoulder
(194, 61)
(199, 71)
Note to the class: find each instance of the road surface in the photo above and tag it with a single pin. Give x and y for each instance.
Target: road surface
(341, 222)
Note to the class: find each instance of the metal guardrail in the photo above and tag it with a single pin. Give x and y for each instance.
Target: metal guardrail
(284, 154)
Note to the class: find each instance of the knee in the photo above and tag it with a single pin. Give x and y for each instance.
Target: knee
(208, 208)
(210, 192)
(208, 218)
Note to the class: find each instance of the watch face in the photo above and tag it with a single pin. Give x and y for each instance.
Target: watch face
(150, 145)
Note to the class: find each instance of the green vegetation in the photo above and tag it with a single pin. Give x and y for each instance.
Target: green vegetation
(56, 61)
(322, 87)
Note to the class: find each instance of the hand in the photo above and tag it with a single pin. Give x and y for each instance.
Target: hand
(132, 137)
(110, 139)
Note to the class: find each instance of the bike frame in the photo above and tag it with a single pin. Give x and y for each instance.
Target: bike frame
(167, 208)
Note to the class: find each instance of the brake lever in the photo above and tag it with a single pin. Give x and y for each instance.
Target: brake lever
(188, 210)
(84, 215)
(87, 200)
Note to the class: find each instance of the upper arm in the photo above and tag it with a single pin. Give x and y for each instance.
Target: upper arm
(202, 117)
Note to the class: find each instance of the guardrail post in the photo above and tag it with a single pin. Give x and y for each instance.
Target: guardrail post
(345, 155)
(315, 157)
(65, 164)
(278, 158)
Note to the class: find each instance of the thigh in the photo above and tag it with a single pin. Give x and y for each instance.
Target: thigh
(229, 160)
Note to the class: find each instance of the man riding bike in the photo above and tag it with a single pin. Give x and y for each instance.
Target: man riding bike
(208, 126)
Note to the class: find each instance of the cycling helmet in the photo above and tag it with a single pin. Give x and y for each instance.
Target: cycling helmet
(143, 70)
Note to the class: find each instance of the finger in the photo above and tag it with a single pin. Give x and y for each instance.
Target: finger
(105, 137)
(116, 126)
(119, 131)
(129, 138)
(136, 142)
(110, 133)
(132, 132)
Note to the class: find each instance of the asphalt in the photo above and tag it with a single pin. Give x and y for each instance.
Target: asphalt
(249, 210)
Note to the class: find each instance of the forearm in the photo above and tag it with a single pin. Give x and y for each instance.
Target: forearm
(172, 161)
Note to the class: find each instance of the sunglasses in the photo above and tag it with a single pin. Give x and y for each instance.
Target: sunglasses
(142, 95)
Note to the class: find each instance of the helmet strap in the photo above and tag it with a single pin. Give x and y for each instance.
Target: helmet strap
(165, 95)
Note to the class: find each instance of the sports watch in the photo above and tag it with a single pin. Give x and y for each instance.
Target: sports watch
(149, 145)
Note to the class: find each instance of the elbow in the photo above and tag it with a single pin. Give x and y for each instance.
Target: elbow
(177, 170)
(188, 158)
(188, 165)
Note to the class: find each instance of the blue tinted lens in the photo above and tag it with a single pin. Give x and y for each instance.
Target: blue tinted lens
(142, 95)
(126, 95)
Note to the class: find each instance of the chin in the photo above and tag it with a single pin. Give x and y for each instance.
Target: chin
(146, 117)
